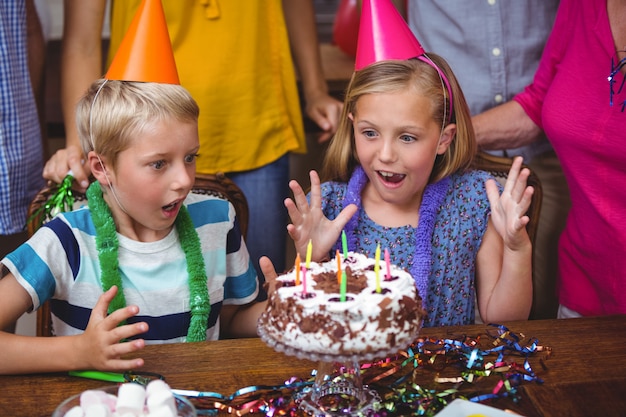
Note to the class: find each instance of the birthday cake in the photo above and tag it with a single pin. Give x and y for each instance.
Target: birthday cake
(309, 312)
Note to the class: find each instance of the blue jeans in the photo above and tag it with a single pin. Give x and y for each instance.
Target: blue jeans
(266, 189)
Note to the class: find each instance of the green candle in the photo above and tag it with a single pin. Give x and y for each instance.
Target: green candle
(344, 286)
(344, 244)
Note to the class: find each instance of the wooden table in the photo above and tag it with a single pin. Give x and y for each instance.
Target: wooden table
(585, 374)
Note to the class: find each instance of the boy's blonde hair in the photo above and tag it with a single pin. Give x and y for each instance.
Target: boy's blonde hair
(112, 112)
(391, 76)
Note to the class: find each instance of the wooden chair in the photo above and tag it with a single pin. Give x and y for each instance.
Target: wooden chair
(217, 185)
(499, 167)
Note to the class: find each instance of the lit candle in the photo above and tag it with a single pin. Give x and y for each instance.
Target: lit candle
(377, 267)
(309, 249)
(388, 263)
(343, 287)
(338, 257)
(298, 269)
(344, 244)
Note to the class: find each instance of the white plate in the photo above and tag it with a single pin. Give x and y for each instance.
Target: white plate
(463, 408)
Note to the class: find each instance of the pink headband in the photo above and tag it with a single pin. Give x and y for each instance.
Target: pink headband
(426, 59)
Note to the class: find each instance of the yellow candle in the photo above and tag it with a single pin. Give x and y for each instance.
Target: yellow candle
(338, 257)
(377, 267)
(298, 269)
(309, 249)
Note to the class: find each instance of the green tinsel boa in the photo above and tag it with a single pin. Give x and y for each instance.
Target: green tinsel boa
(107, 245)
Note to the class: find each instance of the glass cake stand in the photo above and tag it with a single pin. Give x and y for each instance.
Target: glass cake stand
(338, 388)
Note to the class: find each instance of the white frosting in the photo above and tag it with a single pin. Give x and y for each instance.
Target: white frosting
(366, 322)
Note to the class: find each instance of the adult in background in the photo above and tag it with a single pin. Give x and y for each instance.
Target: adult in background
(575, 98)
(494, 48)
(236, 57)
(21, 149)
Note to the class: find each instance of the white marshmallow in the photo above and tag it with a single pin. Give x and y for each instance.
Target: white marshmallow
(130, 398)
(161, 399)
(156, 385)
(97, 410)
(94, 397)
(75, 411)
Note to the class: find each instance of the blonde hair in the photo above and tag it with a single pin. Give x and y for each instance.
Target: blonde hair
(391, 76)
(112, 112)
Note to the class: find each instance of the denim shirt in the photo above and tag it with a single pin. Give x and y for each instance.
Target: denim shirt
(493, 47)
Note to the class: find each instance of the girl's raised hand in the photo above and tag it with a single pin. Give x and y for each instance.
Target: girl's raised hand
(102, 344)
(310, 223)
(508, 209)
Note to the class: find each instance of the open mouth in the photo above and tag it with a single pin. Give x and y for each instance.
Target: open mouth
(391, 177)
(171, 207)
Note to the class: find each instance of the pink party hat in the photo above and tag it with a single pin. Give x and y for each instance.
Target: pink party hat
(384, 34)
(145, 53)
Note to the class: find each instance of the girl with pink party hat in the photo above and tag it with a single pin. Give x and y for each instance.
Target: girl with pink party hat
(398, 174)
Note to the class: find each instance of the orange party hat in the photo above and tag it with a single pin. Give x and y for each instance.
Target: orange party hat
(384, 34)
(145, 54)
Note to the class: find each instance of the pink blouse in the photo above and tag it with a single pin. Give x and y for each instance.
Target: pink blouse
(569, 99)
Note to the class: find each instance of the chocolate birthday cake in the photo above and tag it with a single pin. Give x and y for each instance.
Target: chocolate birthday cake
(309, 312)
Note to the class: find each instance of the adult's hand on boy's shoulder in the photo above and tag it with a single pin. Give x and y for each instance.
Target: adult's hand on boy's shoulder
(102, 344)
(65, 160)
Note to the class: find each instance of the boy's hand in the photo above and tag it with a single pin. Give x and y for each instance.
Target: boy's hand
(508, 210)
(309, 222)
(101, 344)
(269, 272)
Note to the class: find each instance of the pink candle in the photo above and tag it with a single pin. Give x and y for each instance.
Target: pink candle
(388, 263)
(377, 268)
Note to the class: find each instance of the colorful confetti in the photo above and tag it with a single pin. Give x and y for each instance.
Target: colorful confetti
(420, 381)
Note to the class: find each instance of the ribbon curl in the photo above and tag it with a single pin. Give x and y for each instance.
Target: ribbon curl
(419, 381)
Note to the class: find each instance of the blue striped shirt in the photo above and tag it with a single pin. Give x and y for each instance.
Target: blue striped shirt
(60, 263)
(20, 138)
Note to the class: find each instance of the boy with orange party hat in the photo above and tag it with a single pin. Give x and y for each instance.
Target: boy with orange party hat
(397, 174)
(147, 261)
